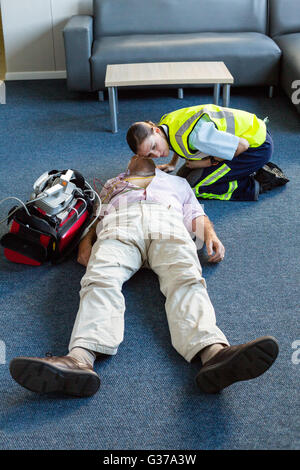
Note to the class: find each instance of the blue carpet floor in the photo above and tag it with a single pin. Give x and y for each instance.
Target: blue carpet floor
(148, 398)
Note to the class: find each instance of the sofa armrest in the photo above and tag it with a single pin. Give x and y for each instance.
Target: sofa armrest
(78, 39)
(2, 93)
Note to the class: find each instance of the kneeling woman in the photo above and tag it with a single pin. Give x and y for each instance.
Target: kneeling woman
(223, 148)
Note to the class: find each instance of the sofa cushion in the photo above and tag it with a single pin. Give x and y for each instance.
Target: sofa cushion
(120, 17)
(290, 69)
(284, 17)
(252, 58)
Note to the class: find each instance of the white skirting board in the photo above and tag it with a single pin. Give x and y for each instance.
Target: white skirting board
(43, 75)
(2, 93)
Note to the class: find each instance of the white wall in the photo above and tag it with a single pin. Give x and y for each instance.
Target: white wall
(33, 40)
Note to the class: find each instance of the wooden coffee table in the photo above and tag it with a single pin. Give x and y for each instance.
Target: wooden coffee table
(166, 73)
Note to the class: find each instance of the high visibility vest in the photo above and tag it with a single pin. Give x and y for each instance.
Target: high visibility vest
(180, 124)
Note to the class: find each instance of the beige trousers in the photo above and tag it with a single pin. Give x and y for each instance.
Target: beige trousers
(150, 235)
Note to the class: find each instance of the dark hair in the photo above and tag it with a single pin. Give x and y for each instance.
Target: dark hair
(137, 133)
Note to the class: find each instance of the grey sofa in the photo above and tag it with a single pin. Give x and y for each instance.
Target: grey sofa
(131, 31)
(285, 31)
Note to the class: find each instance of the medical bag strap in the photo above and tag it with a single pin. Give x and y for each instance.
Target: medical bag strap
(24, 240)
(10, 214)
(35, 222)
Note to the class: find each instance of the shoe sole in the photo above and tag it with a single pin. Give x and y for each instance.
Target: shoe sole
(39, 377)
(247, 363)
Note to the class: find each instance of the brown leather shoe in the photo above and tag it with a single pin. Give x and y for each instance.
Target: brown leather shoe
(235, 363)
(55, 374)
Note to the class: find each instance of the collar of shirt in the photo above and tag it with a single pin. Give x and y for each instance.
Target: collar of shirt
(158, 174)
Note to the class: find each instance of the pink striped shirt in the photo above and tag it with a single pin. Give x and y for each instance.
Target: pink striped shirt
(168, 190)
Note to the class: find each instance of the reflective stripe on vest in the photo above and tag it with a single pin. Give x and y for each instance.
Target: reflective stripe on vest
(224, 197)
(223, 114)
